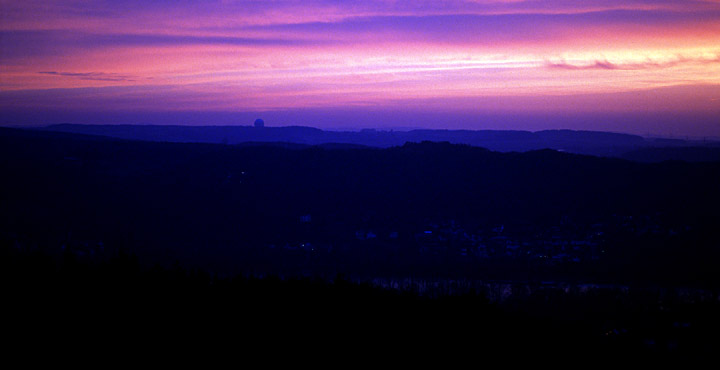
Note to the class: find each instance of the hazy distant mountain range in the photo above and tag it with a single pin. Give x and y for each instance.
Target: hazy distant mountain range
(582, 142)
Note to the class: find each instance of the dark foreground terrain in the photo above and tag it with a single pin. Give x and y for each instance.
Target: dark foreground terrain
(424, 243)
(67, 303)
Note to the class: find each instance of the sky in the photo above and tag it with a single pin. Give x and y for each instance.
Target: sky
(641, 66)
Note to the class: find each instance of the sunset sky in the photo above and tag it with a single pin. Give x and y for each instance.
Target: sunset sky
(640, 66)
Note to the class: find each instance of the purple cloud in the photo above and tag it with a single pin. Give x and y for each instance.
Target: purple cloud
(606, 65)
(92, 76)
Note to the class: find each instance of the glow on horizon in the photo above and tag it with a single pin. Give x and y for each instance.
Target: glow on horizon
(486, 55)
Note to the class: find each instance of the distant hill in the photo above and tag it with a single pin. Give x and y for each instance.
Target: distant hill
(683, 153)
(596, 143)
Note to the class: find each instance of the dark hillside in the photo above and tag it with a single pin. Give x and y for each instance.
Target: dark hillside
(228, 206)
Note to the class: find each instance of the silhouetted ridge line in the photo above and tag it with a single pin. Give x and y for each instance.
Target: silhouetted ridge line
(596, 143)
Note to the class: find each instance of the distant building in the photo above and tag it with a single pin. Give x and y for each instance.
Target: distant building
(259, 123)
